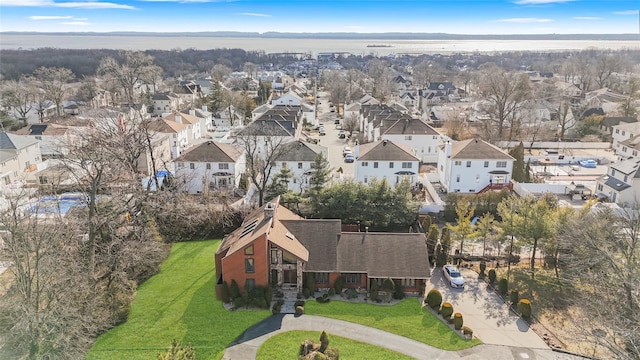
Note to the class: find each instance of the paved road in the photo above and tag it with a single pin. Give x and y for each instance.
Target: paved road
(246, 347)
(484, 312)
(331, 141)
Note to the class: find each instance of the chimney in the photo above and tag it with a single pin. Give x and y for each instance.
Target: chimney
(179, 119)
(192, 112)
(269, 210)
(204, 108)
(384, 142)
(447, 149)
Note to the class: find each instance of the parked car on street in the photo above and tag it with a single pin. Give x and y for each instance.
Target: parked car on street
(453, 276)
(349, 158)
(342, 135)
(588, 163)
(347, 151)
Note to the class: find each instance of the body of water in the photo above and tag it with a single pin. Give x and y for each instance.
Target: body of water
(310, 46)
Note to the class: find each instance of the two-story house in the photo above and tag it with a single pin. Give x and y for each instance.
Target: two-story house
(418, 135)
(289, 98)
(473, 166)
(275, 247)
(164, 103)
(386, 160)
(20, 158)
(193, 123)
(623, 131)
(621, 183)
(298, 157)
(178, 134)
(210, 166)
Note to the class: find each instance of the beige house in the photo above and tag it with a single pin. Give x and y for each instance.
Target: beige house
(19, 158)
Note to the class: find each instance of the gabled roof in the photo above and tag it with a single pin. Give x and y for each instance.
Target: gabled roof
(386, 150)
(266, 127)
(167, 126)
(441, 85)
(15, 142)
(301, 151)
(393, 255)
(321, 237)
(159, 96)
(49, 129)
(212, 151)
(614, 183)
(627, 167)
(7, 155)
(477, 149)
(184, 118)
(634, 127)
(613, 121)
(410, 126)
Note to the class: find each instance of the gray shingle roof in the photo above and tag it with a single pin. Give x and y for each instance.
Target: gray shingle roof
(15, 142)
(320, 237)
(386, 150)
(410, 126)
(301, 151)
(394, 255)
(477, 149)
(269, 128)
(615, 184)
(212, 151)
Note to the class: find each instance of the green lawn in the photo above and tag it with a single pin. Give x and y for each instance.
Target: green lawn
(287, 345)
(406, 318)
(178, 303)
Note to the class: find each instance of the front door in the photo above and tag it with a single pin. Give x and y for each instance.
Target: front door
(290, 277)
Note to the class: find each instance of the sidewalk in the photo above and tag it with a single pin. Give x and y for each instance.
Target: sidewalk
(247, 345)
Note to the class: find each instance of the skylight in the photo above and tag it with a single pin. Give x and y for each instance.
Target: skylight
(249, 228)
(290, 235)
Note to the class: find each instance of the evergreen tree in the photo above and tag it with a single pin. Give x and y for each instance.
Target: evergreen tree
(527, 172)
(517, 152)
(279, 184)
(320, 171)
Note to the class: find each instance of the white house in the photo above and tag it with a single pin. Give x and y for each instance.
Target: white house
(621, 184)
(418, 135)
(298, 157)
(164, 103)
(386, 160)
(472, 165)
(210, 166)
(623, 131)
(20, 158)
(227, 118)
(289, 98)
(193, 123)
(178, 134)
(54, 138)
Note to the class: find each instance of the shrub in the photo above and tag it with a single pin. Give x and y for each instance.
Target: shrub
(388, 285)
(351, 293)
(492, 276)
(299, 303)
(457, 321)
(338, 284)
(299, 310)
(373, 291)
(225, 293)
(239, 302)
(268, 294)
(446, 310)
(332, 291)
(524, 308)
(306, 292)
(514, 296)
(434, 298)
(178, 351)
(319, 356)
(332, 353)
(276, 308)
(398, 293)
(503, 286)
(234, 290)
(310, 282)
(324, 342)
(483, 267)
(467, 330)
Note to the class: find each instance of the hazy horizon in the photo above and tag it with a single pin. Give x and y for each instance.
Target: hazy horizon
(464, 17)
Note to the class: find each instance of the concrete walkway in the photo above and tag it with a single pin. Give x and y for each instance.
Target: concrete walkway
(247, 345)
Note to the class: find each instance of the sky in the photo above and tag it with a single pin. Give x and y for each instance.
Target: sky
(312, 16)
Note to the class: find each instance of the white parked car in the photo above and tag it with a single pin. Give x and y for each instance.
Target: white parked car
(346, 151)
(453, 276)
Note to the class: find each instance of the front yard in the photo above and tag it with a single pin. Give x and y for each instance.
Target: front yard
(178, 303)
(406, 318)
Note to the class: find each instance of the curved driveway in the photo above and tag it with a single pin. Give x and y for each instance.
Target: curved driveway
(246, 346)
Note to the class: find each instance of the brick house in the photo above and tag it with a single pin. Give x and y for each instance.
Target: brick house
(275, 247)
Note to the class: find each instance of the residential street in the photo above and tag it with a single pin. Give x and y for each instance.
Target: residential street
(330, 140)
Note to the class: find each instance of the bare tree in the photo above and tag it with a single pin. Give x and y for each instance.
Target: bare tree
(604, 67)
(382, 77)
(632, 91)
(219, 72)
(134, 68)
(602, 252)
(506, 93)
(54, 82)
(426, 72)
(18, 96)
(263, 145)
(251, 69)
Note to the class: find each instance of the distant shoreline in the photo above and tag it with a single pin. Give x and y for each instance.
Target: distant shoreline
(343, 35)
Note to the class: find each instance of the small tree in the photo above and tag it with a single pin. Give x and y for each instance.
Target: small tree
(338, 284)
(324, 342)
(434, 298)
(178, 352)
(373, 291)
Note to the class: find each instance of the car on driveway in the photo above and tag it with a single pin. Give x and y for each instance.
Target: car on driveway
(453, 276)
(322, 132)
(342, 135)
(349, 158)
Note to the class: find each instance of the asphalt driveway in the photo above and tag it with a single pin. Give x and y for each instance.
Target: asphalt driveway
(485, 313)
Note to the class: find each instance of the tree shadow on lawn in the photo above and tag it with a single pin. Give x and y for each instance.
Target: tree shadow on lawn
(210, 327)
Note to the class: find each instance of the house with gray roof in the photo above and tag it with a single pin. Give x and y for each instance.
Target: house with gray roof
(386, 160)
(20, 158)
(473, 166)
(423, 139)
(275, 247)
(298, 157)
(210, 166)
(621, 183)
